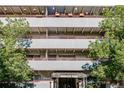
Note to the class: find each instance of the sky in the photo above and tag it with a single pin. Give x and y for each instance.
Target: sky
(62, 2)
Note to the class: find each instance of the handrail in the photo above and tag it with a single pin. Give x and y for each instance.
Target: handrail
(62, 37)
(75, 59)
(64, 16)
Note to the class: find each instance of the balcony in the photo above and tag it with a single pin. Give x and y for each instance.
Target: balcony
(60, 43)
(58, 65)
(60, 59)
(40, 36)
(61, 22)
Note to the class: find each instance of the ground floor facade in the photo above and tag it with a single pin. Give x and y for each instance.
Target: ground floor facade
(70, 79)
(66, 79)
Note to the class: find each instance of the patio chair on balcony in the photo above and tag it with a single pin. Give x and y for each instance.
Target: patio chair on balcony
(57, 14)
(70, 14)
(81, 15)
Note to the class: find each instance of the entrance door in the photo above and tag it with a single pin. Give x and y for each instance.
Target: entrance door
(67, 83)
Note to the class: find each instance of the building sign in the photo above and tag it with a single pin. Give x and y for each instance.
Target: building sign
(68, 76)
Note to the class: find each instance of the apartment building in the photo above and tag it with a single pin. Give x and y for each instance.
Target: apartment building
(60, 37)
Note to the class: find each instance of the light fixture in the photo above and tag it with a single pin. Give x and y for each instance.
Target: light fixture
(86, 13)
(75, 8)
(53, 8)
(24, 9)
(42, 11)
(103, 9)
(5, 9)
(34, 9)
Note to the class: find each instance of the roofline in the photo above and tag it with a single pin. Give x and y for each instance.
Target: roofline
(60, 2)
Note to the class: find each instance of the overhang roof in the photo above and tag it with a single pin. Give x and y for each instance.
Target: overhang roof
(68, 75)
(40, 10)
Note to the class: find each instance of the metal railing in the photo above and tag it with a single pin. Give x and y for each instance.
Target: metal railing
(60, 58)
(62, 37)
(40, 16)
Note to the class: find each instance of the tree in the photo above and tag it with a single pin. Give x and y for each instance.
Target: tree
(109, 51)
(13, 63)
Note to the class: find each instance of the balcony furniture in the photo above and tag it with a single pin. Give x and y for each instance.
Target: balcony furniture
(42, 13)
(70, 14)
(57, 14)
(86, 13)
(81, 14)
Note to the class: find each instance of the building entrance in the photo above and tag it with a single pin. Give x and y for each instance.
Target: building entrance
(69, 79)
(67, 83)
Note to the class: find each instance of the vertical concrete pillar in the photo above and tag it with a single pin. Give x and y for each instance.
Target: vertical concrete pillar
(46, 14)
(57, 82)
(81, 83)
(46, 33)
(46, 55)
(52, 85)
(84, 82)
(77, 83)
(57, 57)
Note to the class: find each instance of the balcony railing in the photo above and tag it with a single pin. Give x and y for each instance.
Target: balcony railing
(60, 43)
(42, 16)
(62, 37)
(58, 65)
(61, 22)
(73, 59)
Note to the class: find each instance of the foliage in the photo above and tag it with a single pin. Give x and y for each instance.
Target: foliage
(13, 63)
(110, 50)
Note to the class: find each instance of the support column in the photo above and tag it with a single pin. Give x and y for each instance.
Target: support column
(57, 82)
(46, 55)
(77, 83)
(54, 85)
(51, 84)
(84, 82)
(57, 56)
(46, 33)
(46, 14)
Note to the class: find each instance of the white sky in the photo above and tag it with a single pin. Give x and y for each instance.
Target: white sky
(62, 2)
